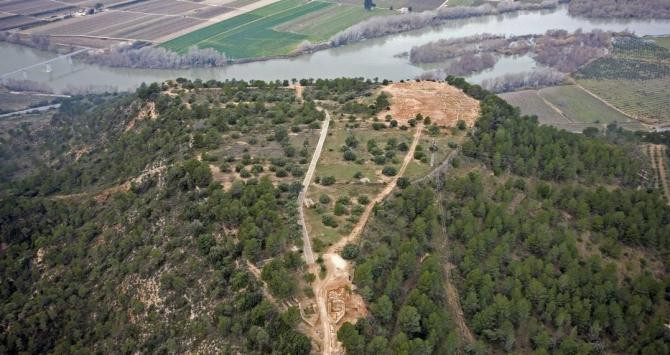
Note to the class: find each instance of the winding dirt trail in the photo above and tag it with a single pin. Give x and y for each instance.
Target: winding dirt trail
(659, 159)
(356, 231)
(339, 272)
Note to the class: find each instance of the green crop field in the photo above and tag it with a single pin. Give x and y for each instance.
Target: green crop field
(634, 79)
(574, 108)
(320, 26)
(582, 107)
(182, 43)
(663, 42)
(251, 34)
(275, 29)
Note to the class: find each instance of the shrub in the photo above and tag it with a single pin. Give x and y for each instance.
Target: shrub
(324, 199)
(340, 209)
(389, 171)
(461, 125)
(363, 199)
(327, 180)
(403, 182)
(349, 155)
(329, 221)
(350, 251)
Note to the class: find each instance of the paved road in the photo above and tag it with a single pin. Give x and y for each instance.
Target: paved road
(34, 109)
(307, 244)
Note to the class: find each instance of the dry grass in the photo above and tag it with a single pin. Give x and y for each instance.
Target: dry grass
(444, 103)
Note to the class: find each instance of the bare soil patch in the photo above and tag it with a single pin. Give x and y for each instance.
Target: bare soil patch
(444, 103)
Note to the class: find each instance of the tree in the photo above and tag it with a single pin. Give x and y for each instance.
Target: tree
(389, 171)
(352, 341)
(349, 155)
(403, 182)
(368, 4)
(350, 251)
(382, 309)
(409, 319)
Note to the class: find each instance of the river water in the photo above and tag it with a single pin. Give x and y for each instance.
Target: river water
(375, 58)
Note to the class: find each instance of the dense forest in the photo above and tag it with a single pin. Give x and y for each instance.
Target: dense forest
(165, 221)
(548, 238)
(119, 236)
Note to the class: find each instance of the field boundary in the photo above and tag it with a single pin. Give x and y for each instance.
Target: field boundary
(610, 105)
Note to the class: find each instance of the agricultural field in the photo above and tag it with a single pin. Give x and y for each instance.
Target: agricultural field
(416, 5)
(252, 34)
(321, 25)
(10, 102)
(152, 20)
(634, 79)
(275, 29)
(663, 42)
(119, 24)
(568, 107)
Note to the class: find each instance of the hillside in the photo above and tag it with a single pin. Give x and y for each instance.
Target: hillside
(534, 241)
(327, 216)
(118, 235)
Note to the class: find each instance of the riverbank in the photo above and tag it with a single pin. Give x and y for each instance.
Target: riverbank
(369, 58)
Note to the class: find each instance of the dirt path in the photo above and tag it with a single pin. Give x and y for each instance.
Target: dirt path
(454, 302)
(356, 231)
(452, 296)
(307, 245)
(339, 271)
(298, 91)
(658, 152)
(264, 288)
(553, 107)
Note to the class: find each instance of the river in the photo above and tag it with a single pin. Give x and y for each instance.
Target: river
(375, 58)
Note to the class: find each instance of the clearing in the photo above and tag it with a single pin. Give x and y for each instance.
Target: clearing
(444, 103)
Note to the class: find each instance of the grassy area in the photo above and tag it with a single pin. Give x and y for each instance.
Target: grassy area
(332, 162)
(319, 26)
(663, 42)
(573, 108)
(647, 99)
(327, 235)
(251, 34)
(634, 79)
(581, 107)
(182, 43)
(275, 29)
(240, 3)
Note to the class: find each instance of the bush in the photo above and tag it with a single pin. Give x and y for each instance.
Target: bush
(327, 180)
(358, 175)
(350, 251)
(329, 221)
(363, 199)
(349, 155)
(403, 182)
(379, 159)
(324, 199)
(340, 209)
(389, 171)
(378, 125)
(419, 155)
(461, 125)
